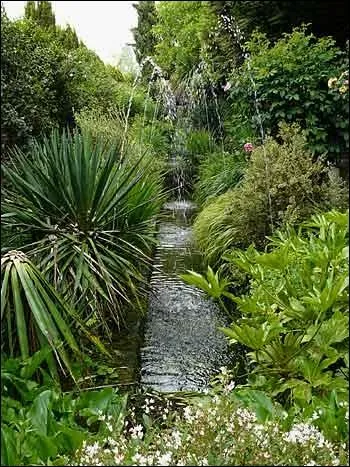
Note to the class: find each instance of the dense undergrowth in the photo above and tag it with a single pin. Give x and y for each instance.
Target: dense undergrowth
(84, 177)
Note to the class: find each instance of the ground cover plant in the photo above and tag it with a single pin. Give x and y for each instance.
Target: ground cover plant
(226, 427)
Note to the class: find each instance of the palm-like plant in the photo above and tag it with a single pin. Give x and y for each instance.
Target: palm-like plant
(32, 313)
(90, 216)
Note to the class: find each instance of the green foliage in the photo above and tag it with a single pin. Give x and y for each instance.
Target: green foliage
(30, 10)
(213, 285)
(199, 143)
(32, 314)
(89, 84)
(218, 173)
(238, 127)
(295, 318)
(225, 427)
(48, 75)
(78, 199)
(141, 138)
(152, 138)
(291, 79)
(179, 33)
(269, 196)
(30, 61)
(221, 50)
(101, 126)
(41, 13)
(41, 424)
(67, 37)
(144, 36)
(273, 18)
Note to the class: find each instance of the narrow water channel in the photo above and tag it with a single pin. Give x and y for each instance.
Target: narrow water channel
(182, 346)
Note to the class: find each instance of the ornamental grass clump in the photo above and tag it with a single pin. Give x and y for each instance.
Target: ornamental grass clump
(218, 173)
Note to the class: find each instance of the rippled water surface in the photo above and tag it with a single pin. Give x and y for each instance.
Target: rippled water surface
(182, 346)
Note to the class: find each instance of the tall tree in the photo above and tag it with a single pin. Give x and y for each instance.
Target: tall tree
(68, 37)
(30, 10)
(46, 17)
(181, 30)
(41, 12)
(274, 17)
(145, 39)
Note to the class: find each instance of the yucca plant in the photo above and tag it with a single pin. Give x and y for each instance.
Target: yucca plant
(90, 216)
(33, 315)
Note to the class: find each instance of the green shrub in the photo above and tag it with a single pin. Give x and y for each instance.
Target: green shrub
(295, 319)
(124, 96)
(199, 143)
(238, 125)
(34, 316)
(281, 185)
(43, 426)
(291, 79)
(101, 125)
(32, 313)
(44, 82)
(153, 137)
(90, 84)
(91, 217)
(30, 60)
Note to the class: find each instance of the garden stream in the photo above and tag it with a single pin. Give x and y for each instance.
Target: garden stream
(182, 345)
(178, 346)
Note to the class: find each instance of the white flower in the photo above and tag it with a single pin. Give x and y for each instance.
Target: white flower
(118, 458)
(188, 413)
(136, 432)
(176, 438)
(109, 427)
(165, 459)
(302, 433)
(112, 441)
(92, 449)
(203, 462)
(229, 387)
(140, 459)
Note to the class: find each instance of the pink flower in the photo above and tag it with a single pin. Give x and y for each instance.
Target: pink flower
(227, 86)
(248, 147)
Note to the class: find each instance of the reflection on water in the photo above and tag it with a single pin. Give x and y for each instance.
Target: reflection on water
(182, 346)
